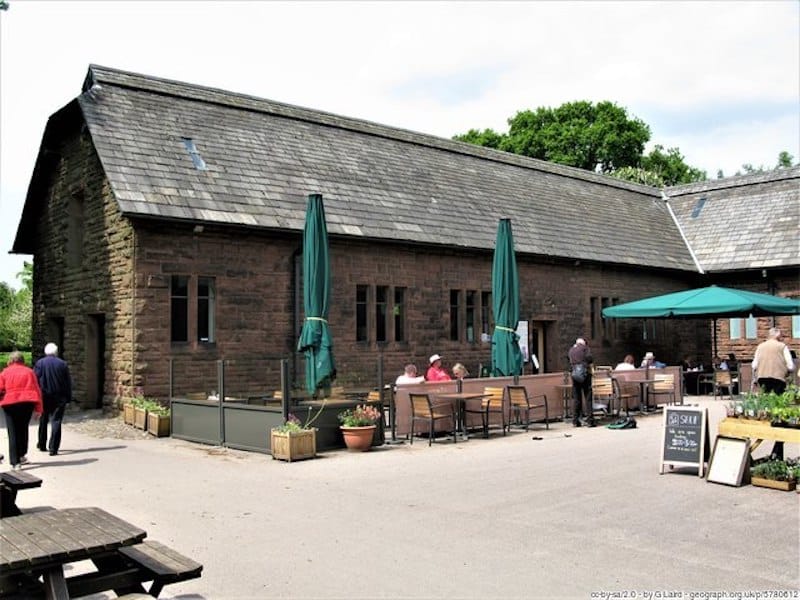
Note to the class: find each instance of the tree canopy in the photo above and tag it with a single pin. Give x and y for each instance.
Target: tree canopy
(16, 312)
(599, 137)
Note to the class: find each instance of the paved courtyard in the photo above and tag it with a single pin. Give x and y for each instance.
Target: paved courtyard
(575, 514)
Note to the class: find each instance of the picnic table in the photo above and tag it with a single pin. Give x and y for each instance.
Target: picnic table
(40, 544)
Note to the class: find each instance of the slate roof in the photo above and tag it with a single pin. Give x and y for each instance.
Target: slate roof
(746, 222)
(378, 182)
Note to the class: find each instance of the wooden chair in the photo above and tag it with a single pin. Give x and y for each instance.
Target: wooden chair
(664, 385)
(492, 403)
(723, 380)
(520, 402)
(422, 409)
(624, 396)
(604, 396)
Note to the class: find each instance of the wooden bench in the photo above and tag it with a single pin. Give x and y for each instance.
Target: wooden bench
(10, 483)
(125, 569)
(161, 564)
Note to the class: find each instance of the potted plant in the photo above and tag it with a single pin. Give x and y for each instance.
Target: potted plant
(158, 419)
(776, 474)
(128, 411)
(293, 440)
(358, 426)
(140, 405)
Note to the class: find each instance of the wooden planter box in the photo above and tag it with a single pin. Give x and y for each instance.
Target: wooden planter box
(158, 425)
(293, 445)
(140, 418)
(786, 486)
(127, 413)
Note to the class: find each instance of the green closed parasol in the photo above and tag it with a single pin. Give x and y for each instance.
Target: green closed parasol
(315, 338)
(506, 355)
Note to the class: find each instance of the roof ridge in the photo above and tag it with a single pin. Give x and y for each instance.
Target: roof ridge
(98, 74)
(734, 181)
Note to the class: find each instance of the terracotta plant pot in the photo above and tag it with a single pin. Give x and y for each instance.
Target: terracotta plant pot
(358, 438)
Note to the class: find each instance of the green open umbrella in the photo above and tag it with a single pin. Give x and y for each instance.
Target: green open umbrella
(506, 355)
(315, 338)
(712, 302)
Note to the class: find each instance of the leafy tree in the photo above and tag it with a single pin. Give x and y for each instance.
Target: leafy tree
(593, 137)
(16, 312)
(784, 160)
(670, 166)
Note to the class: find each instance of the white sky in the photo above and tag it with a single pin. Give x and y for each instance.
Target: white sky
(720, 80)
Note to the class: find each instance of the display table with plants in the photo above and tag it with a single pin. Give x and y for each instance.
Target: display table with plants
(358, 426)
(761, 416)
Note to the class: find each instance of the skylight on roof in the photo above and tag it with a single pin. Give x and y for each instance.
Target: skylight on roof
(197, 160)
(698, 207)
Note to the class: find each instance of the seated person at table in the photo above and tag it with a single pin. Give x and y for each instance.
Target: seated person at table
(733, 364)
(650, 361)
(687, 364)
(409, 376)
(627, 364)
(435, 371)
(460, 371)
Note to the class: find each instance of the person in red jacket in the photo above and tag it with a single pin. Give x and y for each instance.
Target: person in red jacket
(20, 396)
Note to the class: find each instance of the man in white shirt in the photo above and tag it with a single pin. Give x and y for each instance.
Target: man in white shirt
(409, 376)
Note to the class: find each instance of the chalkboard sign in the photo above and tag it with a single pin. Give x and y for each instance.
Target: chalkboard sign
(685, 437)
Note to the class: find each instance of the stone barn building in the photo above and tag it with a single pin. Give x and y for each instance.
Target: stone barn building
(165, 220)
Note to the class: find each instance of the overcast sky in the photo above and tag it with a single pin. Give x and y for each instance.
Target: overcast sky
(719, 80)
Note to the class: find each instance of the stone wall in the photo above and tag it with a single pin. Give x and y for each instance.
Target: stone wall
(83, 270)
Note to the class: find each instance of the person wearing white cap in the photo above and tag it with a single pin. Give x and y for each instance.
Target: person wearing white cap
(435, 370)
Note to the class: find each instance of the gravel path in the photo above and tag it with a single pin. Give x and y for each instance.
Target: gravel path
(101, 424)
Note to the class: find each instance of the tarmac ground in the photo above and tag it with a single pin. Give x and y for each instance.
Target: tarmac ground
(558, 513)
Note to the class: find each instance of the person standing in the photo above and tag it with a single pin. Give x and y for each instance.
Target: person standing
(772, 363)
(56, 385)
(580, 360)
(20, 396)
(435, 370)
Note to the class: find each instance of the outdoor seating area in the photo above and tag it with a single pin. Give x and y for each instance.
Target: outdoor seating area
(36, 549)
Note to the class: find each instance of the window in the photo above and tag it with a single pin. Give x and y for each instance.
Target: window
(399, 313)
(735, 329)
(470, 316)
(361, 313)
(796, 326)
(751, 328)
(381, 313)
(601, 327)
(206, 318)
(179, 308)
(75, 230)
(194, 153)
(454, 322)
(487, 313)
(388, 305)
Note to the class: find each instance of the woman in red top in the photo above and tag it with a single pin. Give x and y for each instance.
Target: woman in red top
(435, 371)
(19, 397)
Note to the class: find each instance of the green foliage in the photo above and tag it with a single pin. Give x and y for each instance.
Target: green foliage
(777, 470)
(670, 166)
(639, 175)
(579, 134)
(25, 353)
(16, 311)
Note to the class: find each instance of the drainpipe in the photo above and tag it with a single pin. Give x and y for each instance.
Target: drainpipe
(665, 198)
(295, 309)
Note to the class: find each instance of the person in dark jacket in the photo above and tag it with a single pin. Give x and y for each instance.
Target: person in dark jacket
(580, 356)
(20, 396)
(56, 384)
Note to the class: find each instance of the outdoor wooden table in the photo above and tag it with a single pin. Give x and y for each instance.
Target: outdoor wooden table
(43, 542)
(566, 397)
(460, 401)
(759, 431)
(644, 386)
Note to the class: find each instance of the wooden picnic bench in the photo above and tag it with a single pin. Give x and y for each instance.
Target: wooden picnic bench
(10, 483)
(130, 566)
